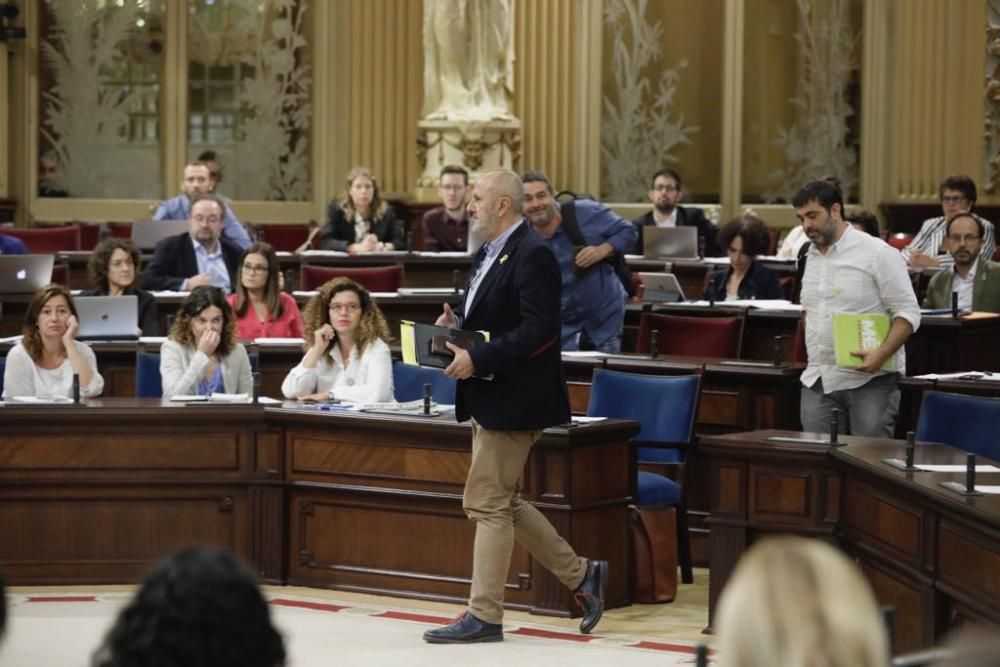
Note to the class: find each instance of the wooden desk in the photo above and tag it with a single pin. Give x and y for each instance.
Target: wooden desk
(926, 550)
(358, 502)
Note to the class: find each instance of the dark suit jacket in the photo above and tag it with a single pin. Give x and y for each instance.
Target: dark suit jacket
(685, 216)
(518, 302)
(338, 233)
(149, 317)
(174, 262)
(760, 282)
(985, 291)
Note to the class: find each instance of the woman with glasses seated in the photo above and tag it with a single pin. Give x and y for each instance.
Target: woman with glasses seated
(743, 239)
(262, 309)
(112, 271)
(361, 221)
(43, 363)
(202, 356)
(346, 357)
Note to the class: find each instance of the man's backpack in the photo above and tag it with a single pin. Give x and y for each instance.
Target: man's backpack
(617, 261)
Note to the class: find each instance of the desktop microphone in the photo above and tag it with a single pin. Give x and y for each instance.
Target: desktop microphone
(777, 351)
(454, 281)
(256, 387)
(834, 426)
(970, 473)
(911, 441)
(76, 389)
(954, 305)
(654, 343)
(427, 398)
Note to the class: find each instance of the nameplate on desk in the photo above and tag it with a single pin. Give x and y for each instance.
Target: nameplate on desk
(798, 441)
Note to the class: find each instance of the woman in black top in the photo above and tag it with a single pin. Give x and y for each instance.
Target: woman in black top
(360, 221)
(744, 239)
(112, 270)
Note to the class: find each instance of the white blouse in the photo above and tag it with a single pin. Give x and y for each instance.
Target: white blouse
(23, 377)
(364, 380)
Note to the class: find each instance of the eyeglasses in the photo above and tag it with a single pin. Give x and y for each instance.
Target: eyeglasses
(345, 307)
(967, 239)
(669, 189)
(953, 199)
(255, 268)
(211, 219)
(452, 188)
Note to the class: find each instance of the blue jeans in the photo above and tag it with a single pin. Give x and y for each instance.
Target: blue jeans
(869, 410)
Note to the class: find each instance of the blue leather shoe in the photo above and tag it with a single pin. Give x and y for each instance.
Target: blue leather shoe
(590, 594)
(466, 630)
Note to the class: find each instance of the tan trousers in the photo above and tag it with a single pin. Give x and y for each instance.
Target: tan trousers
(492, 500)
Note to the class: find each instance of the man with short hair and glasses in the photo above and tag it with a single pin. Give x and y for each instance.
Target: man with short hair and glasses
(665, 192)
(446, 227)
(929, 247)
(200, 256)
(976, 280)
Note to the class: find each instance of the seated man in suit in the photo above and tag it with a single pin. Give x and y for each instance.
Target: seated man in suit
(665, 192)
(198, 257)
(198, 181)
(976, 280)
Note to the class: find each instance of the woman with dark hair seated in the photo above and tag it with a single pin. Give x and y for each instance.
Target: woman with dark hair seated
(361, 221)
(200, 606)
(202, 356)
(262, 309)
(744, 238)
(44, 362)
(865, 221)
(346, 356)
(112, 271)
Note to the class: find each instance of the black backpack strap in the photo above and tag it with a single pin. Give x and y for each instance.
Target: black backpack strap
(568, 212)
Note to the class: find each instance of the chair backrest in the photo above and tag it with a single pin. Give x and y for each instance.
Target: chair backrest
(899, 240)
(373, 279)
(664, 405)
(148, 383)
(90, 236)
(408, 383)
(283, 238)
(970, 423)
(121, 230)
(45, 240)
(799, 346)
(60, 273)
(692, 336)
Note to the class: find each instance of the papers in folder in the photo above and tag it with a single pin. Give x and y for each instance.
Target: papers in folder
(422, 344)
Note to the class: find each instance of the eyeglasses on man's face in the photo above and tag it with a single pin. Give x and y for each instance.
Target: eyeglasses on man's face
(966, 239)
(953, 199)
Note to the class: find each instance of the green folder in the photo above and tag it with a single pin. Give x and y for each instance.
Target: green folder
(860, 331)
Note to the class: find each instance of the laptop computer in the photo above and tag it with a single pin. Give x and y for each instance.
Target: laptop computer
(147, 233)
(108, 317)
(670, 242)
(23, 274)
(661, 288)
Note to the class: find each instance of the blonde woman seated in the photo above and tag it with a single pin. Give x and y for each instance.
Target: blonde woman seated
(202, 356)
(793, 601)
(262, 309)
(346, 357)
(44, 362)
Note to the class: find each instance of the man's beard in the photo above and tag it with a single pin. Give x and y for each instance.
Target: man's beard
(665, 207)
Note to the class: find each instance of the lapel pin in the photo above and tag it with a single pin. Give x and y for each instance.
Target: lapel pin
(504, 259)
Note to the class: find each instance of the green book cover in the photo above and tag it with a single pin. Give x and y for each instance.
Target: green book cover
(864, 331)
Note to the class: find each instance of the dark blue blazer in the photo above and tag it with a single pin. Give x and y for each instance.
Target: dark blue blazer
(518, 303)
(174, 262)
(760, 282)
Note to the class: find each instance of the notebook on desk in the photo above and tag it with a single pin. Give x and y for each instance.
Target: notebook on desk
(670, 242)
(23, 274)
(108, 317)
(147, 233)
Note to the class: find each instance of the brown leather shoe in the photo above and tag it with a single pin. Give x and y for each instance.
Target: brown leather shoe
(466, 630)
(590, 594)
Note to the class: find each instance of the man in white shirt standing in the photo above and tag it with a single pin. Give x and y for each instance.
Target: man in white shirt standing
(850, 272)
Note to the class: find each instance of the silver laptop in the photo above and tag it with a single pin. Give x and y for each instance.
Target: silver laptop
(147, 233)
(108, 317)
(670, 242)
(23, 274)
(661, 288)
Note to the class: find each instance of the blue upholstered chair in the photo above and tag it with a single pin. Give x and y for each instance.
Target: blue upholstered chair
(408, 383)
(970, 423)
(665, 408)
(147, 374)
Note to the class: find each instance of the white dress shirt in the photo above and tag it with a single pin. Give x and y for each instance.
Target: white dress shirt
(669, 221)
(364, 380)
(23, 377)
(964, 287)
(858, 274)
(212, 264)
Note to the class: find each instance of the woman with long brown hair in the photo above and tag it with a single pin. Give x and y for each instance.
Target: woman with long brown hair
(202, 356)
(346, 357)
(262, 309)
(44, 362)
(361, 221)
